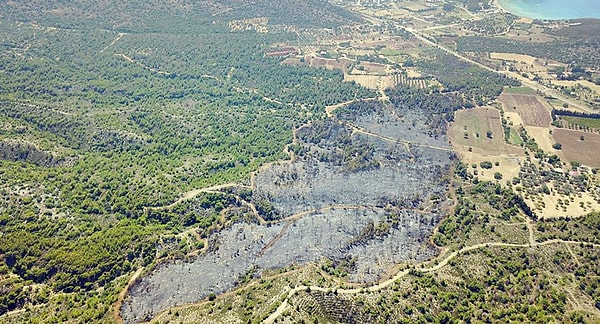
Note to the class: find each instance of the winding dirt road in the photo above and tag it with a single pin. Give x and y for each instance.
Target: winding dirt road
(384, 284)
(393, 140)
(195, 192)
(123, 294)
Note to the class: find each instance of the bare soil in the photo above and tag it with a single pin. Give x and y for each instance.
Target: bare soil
(531, 110)
(586, 151)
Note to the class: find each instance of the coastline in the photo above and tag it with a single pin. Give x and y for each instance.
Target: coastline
(497, 5)
(522, 10)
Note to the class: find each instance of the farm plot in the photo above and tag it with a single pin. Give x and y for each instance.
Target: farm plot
(421, 83)
(372, 68)
(543, 138)
(531, 110)
(470, 137)
(552, 192)
(580, 123)
(579, 146)
(372, 82)
(511, 57)
(548, 206)
(513, 117)
(342, 64)
(368, 81)
(583, 90)
(479, 130)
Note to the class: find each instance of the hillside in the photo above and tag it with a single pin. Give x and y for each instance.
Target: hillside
(296, 161)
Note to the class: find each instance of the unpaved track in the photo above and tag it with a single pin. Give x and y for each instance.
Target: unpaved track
(289, 219)
(330, 109)
(130, 60)
(118, 38)
(393, 140)
(195, 192)
(384, 284)
(229, 293)
(532, 243)
(123, 294)
(532, 84)
(372, 288)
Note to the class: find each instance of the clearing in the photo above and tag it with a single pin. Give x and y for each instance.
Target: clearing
(469, 137)
(583, 147)
(470, 130)
(531, 110)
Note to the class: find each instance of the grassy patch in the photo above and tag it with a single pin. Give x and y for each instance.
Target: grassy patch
(388, 52)
(481, 130)
(519, 90)
(555, 103)
(514, 138)
(585, 122)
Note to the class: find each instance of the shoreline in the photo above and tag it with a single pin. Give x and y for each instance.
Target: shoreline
(519, 13)
(497, 5)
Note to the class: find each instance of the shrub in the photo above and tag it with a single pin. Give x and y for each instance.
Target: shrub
(485, 165)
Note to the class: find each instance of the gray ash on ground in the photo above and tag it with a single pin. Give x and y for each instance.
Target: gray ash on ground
(349, 168)
(244, 248)
(347, 195)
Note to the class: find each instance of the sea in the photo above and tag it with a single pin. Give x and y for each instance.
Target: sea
(552, 9)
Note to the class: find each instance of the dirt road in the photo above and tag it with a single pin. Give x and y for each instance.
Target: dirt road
(384, 284)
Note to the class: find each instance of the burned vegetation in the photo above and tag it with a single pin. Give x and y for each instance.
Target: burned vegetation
(366, 186)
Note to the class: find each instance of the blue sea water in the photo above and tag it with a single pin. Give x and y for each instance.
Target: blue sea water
(552, 9)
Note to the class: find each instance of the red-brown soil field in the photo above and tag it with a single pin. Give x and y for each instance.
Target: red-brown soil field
(531, 110)
(586, 152)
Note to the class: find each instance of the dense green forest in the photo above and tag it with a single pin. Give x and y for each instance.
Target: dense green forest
(475, 84)
(177, 16)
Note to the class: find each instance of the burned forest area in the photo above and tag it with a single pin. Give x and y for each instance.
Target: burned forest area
(236, 161)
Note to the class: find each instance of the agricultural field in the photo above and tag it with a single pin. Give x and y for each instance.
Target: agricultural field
(510, 57)
(530, 66)
(543, 138)
(372, 82)
(342, 64)
(477, 136)
(415, 82)
(581, 89)
(579, 146)
(589, 124)
(481, 130)
(531, 111)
